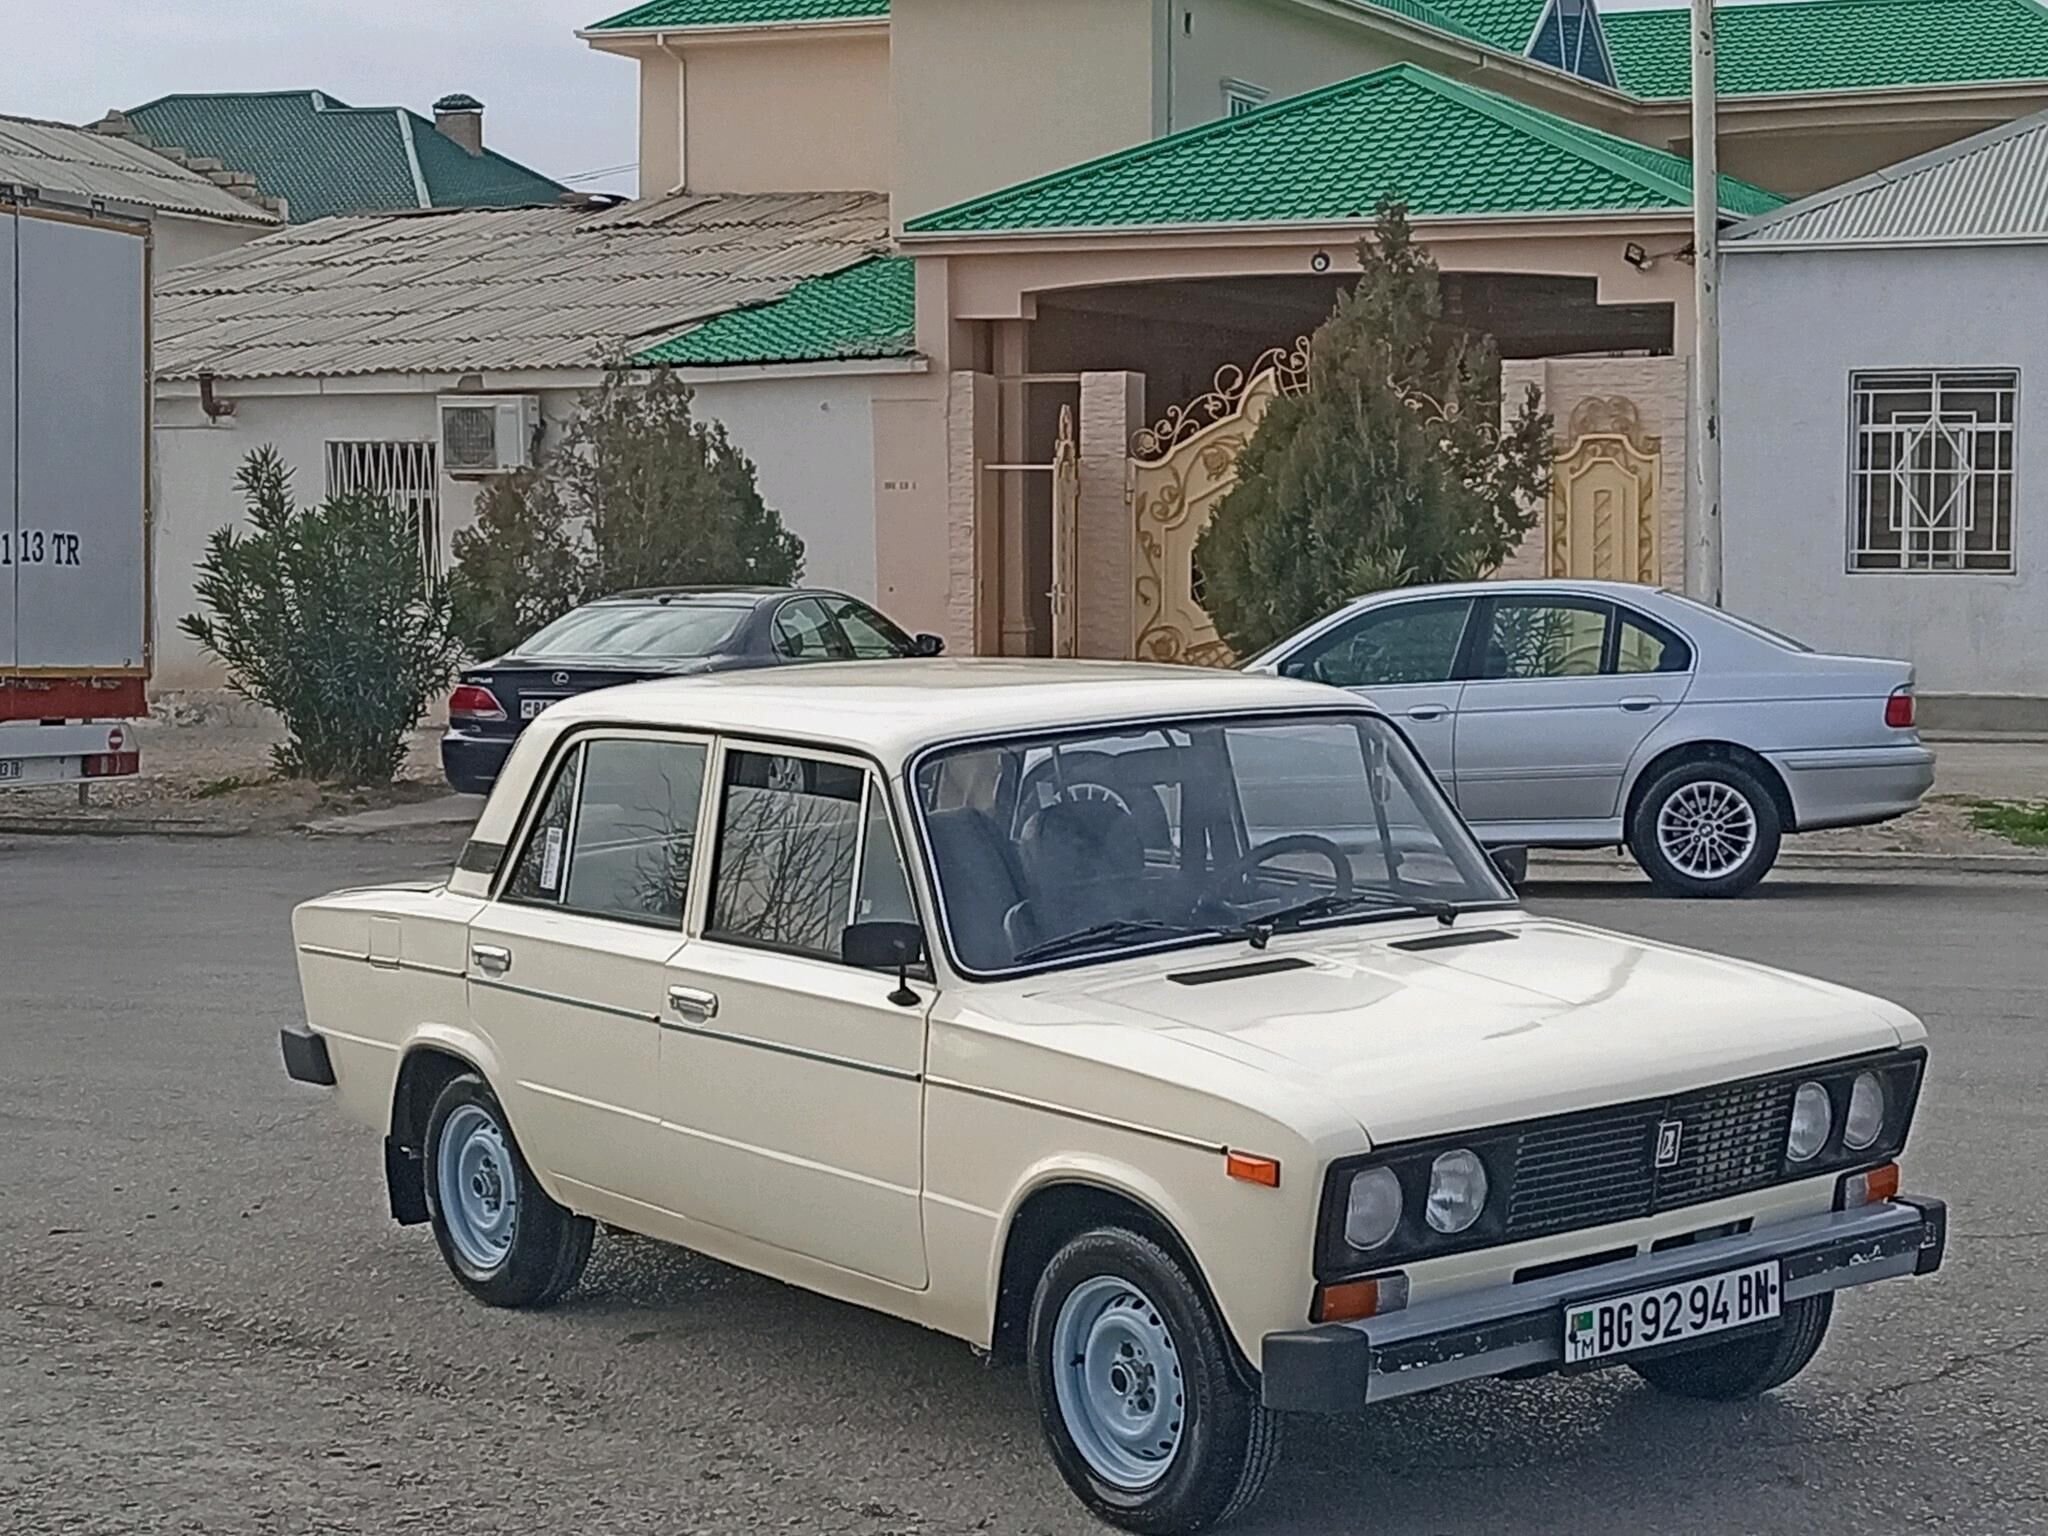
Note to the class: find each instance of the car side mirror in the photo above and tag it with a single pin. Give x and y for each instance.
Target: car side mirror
(1513, 864)
(886, 947)
(930, 645)
(1299, 667)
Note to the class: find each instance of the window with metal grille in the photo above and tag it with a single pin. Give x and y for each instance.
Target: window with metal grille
(1931, 470)
(407, 474)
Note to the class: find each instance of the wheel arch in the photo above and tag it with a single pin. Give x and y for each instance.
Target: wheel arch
(1709, 749)
(428, 1063)
(1060, 1204)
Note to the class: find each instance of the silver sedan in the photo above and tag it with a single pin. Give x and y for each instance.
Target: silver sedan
(1579, 714)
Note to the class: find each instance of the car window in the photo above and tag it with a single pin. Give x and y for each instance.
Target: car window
(793, 867)
(617, 834)
(872, 637)
(1408, 643)
(665, 630)
(538, 874)
(1643, 646)
(1543, 637)
(804, 631)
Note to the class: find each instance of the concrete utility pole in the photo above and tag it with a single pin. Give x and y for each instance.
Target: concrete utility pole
(1703, 509)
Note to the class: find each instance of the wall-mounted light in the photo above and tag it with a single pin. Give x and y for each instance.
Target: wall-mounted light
(1320, 262)
(1636, 256)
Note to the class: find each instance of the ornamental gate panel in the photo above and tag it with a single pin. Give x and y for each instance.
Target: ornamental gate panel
(1603, 517)
(1179, 470)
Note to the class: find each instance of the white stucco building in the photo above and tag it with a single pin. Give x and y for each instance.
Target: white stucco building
(1885, 346)
(344, 343)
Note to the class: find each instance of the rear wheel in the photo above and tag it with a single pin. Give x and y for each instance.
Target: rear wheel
(506, 1241)
(1746, 1367)
(1706, 828)
(1140, 1401)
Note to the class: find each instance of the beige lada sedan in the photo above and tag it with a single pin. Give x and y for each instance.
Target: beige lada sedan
(1163, 1029)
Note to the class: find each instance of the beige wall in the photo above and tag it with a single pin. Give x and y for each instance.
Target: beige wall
(992, 92)
(1659, 389)
(1283, 48)
(800, 111)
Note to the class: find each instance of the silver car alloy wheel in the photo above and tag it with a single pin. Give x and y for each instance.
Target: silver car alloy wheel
(1707, 829)
(478, 1189)
(1117, 1378)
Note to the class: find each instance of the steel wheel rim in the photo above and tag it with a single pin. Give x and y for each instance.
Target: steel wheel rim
(1117, 1378)
(1707, 829)
(479, 1192)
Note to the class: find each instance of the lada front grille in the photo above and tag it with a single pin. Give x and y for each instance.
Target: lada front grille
(1590, 1170)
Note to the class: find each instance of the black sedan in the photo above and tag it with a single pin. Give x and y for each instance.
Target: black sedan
(639, 635)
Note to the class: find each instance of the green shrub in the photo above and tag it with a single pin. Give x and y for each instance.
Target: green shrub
(1390, 469)
(638, 493)
(326, 615)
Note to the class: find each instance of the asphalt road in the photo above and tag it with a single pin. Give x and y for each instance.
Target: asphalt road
(207, 1324)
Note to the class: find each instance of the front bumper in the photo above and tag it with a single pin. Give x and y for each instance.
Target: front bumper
(1343, 1367)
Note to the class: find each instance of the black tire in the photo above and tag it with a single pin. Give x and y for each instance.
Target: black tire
(1229, 1441)
(549, 1245)
(1761, 806)
(1746, 1367)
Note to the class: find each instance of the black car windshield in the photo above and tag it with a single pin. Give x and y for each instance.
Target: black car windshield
(1050, 849)
(657, 631)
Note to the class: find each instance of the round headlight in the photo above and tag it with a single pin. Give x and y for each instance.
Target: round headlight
(1373, 1209)
(1866, 1111)
(1812, 1118)
(1457, 1191)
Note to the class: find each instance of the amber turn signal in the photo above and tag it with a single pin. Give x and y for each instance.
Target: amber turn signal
(1861, 1189)
(1356, 1299)
(1253, 1170)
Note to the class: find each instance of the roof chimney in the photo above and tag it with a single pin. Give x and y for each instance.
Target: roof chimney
(461, 118)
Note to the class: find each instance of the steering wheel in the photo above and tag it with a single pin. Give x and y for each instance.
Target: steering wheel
(1293, 842)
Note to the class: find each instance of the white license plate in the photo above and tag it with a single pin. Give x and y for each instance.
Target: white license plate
(1671, 1314)
(10, 768)
(530, 707)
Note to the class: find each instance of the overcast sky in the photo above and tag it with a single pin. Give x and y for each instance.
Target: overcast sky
(550, 101)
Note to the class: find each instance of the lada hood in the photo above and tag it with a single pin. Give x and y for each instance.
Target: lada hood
(1546, 1018)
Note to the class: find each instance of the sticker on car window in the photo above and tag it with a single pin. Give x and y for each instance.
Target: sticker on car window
(551, 860)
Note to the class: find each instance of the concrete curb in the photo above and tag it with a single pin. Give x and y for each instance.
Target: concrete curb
(114, 826)
(1842, 862)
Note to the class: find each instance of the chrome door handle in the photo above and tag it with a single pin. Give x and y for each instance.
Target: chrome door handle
(1428, 712)
(1638, 705)
(492, 959)
(697, 1006)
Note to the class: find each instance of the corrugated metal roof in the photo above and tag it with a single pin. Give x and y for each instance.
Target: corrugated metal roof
(1989, 189)
(489, 290)
(76, 162)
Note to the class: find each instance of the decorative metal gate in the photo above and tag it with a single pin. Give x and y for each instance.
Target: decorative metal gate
(1179, 470)
(1603, 515)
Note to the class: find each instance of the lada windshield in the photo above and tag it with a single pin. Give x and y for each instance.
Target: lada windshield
(1052, 848)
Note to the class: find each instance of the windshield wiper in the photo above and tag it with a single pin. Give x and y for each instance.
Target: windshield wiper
(1261, 930)
(1101, 933)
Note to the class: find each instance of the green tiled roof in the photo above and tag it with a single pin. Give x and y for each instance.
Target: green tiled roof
(1834, 45)
(1401, 134)
(1506, 24)
(739, 13)
(325, 157)
(868, 311)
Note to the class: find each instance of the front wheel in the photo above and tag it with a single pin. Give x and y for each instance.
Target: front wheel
(1141, 1404)
(506, 1241)
(1749, 1367)
(1706, 828)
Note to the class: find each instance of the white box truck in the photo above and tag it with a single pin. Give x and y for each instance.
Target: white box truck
(75, 622)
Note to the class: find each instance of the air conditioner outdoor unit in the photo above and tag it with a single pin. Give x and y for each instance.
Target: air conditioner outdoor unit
(488, 434)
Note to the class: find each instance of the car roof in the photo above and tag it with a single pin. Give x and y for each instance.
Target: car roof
(709, 595)
(1625, 591)
(894, 709)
